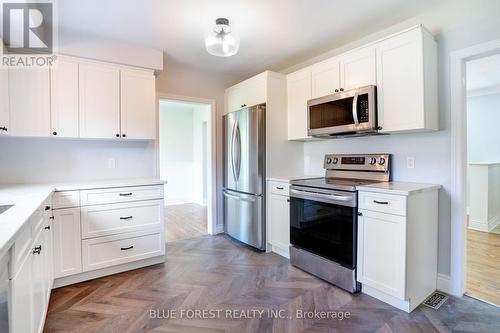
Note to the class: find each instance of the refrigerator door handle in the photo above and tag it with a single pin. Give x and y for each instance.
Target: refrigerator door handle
(233, 166)
(238, 156)
(229, 195)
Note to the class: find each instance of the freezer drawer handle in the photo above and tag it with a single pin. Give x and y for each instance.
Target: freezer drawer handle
(127, 248)
(381, 202)
(125, 217)
(238, 197)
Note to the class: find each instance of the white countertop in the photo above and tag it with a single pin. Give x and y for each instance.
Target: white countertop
(26, 198)
(288, 179)
(401, 188)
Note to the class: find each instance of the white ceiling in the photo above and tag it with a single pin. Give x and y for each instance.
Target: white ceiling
(483, 75)
(274, 33)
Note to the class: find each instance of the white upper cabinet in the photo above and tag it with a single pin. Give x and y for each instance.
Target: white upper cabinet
(247, 93)
(138, 112)
(4, 102)
(325, 78)
(29, 97)
(298, 93)
(407, 82)
(99, 100)
(357, 69)
(64, 98)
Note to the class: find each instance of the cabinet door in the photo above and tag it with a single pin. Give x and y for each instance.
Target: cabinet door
(64, 98)
(325, 78)
(67, 249)
(357, 69)
(382, 252)
(48, 255)
(21, 298)
(4, 102)
(29, 97)
(39, 285)
(400, 84)
(279, 221)
(138, 112)
(248, 93)
(298, 93)
(99, 96)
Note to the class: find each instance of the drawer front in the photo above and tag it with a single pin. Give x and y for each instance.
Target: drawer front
(279, 188)
(65, 199)
(383, 203)
(110, 219)
(120, 194)
(20, 249)
(120, 249)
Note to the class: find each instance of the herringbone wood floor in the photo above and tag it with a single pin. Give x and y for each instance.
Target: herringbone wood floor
(212, 272)
(185, 221)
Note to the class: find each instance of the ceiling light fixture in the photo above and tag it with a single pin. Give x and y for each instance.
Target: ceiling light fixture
(221, 41)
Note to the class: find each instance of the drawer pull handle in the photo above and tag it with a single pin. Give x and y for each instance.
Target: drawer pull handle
(280, 188)
(47, 207)
(126, 217)
(127, 248)
(37, 250)
(47, 227)
(125, 194)
(381, 202)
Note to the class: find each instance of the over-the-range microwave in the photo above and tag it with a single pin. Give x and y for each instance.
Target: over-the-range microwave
(351, 112)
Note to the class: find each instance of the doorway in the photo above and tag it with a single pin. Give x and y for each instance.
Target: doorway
(483, 179)
(186, 161)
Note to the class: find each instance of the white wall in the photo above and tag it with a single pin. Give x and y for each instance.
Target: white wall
(483, 136)
(456, 25)
(181, 151)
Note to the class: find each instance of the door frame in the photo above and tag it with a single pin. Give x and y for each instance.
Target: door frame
(211, 179)
(458, 114)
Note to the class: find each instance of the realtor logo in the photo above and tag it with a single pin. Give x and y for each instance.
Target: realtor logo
(28, 34)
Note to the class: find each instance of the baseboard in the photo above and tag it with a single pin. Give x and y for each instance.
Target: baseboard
(492, 223)
(280, 249)
(219, 229)
(85, 276)
(443, 283)
(391, 300)
(485, 226)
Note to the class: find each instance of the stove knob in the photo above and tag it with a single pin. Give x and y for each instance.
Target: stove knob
(335, 160)
(381, 161)
(328, 160)
(373, 160)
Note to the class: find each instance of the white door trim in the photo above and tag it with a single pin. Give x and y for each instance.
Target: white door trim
(458, 110)
(211, 190)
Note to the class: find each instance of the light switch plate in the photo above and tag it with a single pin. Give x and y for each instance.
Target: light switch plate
(111, 163)
(410, 162)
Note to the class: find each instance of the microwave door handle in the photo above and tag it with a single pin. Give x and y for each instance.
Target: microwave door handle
(355, 109)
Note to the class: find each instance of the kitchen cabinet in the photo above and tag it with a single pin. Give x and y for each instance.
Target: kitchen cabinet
(4, 102)
(64, 98)
(325, 78)
(402, 271)
(21, 310)
(278, 217)
(4, 292)
(99, 100)
(138, 111)
(29, 100)
(298, 93)
(407, 82)
(67, 251)
(247, 93)
(357, 68)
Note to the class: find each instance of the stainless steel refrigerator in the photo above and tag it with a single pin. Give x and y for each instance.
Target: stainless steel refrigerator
(244, 175)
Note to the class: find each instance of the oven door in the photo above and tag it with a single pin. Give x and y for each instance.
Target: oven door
(324, 222)
(346, 112)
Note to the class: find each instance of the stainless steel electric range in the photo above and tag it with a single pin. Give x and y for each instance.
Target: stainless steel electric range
(324, 216)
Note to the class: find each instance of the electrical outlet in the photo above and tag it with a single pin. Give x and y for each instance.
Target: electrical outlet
(410, 162)
(111, 163)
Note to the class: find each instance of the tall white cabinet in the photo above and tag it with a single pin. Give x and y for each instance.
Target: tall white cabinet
(278, 217)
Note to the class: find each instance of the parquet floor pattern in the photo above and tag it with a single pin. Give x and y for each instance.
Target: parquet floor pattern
(185, 221)
(212, 272)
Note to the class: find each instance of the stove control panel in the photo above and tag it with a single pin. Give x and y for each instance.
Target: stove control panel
(357, 162)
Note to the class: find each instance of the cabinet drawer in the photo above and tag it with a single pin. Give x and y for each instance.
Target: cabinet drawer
(120, 194)
(383, 203)
(65, 199)
(103, 220)
(119, 249)
(278, 188)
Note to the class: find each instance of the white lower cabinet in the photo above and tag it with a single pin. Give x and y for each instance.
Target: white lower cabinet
(21, 309)
(278, 218)
(67, 239)
(397, 248)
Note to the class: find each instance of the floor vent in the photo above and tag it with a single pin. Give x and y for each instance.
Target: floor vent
(435, 300)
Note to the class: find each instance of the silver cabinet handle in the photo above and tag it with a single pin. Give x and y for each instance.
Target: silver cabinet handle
(238, 197)
(321, 195)
(355, 109)
(381, 202)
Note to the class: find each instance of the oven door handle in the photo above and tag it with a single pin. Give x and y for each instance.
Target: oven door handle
(322, 195)
(355, 109)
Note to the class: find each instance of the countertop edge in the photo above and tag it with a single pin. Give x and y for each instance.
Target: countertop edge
(406, 192)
